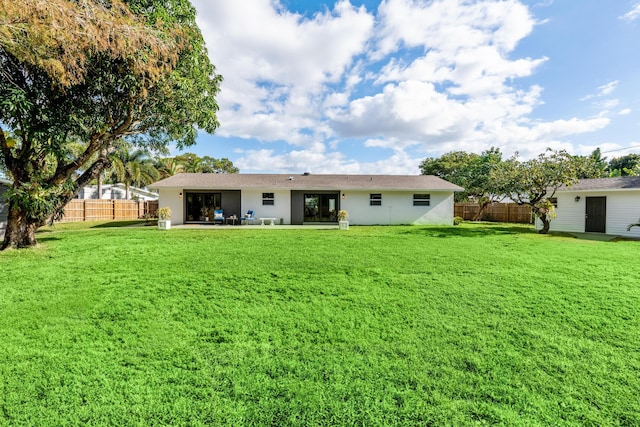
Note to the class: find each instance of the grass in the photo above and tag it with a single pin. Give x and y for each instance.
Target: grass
(468, 325)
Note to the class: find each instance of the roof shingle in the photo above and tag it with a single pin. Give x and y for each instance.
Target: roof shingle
(304, 182)
(617, 183)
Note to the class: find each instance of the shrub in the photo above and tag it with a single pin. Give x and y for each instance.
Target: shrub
(164, 213)
(457, 220)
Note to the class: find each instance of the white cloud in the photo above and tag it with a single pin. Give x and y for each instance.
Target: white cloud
(343, 73)
(604, 90)
(275, 63)
(306, 161)
(451, 25)
(633, 14)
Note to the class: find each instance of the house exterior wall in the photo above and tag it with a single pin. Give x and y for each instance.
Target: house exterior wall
(397, 208)
(281, 208)
(4, 210)
(170, 198)
(623, 208)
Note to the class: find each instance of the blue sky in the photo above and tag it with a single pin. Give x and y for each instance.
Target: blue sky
(366, 86)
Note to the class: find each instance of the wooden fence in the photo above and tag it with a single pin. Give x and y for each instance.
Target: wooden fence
(498, 212)
(107, 210)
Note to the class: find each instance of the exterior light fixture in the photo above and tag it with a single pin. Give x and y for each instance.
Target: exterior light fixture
(180, 195)
(577, 199)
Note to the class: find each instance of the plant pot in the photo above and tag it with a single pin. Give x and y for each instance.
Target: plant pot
(164, 224)
(343, 225)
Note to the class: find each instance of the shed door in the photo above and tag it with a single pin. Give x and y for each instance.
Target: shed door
(596, 215)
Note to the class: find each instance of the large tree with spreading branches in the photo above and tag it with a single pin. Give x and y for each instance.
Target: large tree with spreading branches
(93, 72)
(535, 182)
(472, 172)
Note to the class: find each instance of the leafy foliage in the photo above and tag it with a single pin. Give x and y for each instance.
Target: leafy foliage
(91, 73)
(470, 171)
(195, 164)
(133, 168)
(592, 166)
(535, 181)
(628, 165)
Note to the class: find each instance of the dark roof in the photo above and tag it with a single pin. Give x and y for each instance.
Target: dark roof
(618, 183)
(305, 182)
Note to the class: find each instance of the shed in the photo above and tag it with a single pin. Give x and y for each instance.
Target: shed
(602, 205)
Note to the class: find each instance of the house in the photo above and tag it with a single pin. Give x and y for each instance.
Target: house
(5, 184)
(602, 205)
(117, 192)
(308, 198)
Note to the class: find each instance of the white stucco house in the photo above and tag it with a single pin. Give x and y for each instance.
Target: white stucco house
(309, 198)
(5, 184)
(603, 205)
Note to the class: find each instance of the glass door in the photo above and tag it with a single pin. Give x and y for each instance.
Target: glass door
(320, 207)
(200, 206)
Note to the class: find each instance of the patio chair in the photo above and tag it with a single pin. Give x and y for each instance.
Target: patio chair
(218, 216)
(249, 217)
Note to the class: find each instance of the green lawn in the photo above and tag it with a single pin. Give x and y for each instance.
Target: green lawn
(477, 324)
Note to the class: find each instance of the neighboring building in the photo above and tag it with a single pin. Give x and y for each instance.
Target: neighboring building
(5, 184)
(117, 192)
(308, 198)
(602, 205)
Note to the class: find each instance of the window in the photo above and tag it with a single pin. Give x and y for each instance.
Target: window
(421, 199)
(375, 199)
(554, 201)
(268, 199)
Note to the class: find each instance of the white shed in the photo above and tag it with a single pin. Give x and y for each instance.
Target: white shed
(602, 205)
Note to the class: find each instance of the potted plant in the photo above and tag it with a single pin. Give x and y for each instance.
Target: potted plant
(343, 217)
(164, 218)
(204, 212)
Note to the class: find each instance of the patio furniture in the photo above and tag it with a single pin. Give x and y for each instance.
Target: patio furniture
(232, 219)
(272, 220)
(218, 216)
(249, 217)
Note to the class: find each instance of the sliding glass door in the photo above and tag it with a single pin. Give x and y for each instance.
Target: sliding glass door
(320, 207)
(200, 206)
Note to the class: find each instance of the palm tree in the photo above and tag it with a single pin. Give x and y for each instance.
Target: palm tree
(168, 167)
(133, 168)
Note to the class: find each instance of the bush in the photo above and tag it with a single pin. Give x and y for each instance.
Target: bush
(457, 220)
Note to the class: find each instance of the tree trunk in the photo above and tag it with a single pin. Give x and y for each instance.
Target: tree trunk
(546, 223)
(20, 232)
(481, 208)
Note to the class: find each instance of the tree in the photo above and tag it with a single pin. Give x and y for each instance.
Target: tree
(213, 165)
(195, 164)
(93, 72)
(591, 166)
(625, 165)
(133, 168)
(535, 182)
(168, 166)
(470, 171)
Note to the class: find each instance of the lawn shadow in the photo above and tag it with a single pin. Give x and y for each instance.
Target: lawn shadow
(48, 239)
(118, 224)
(478, 230)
